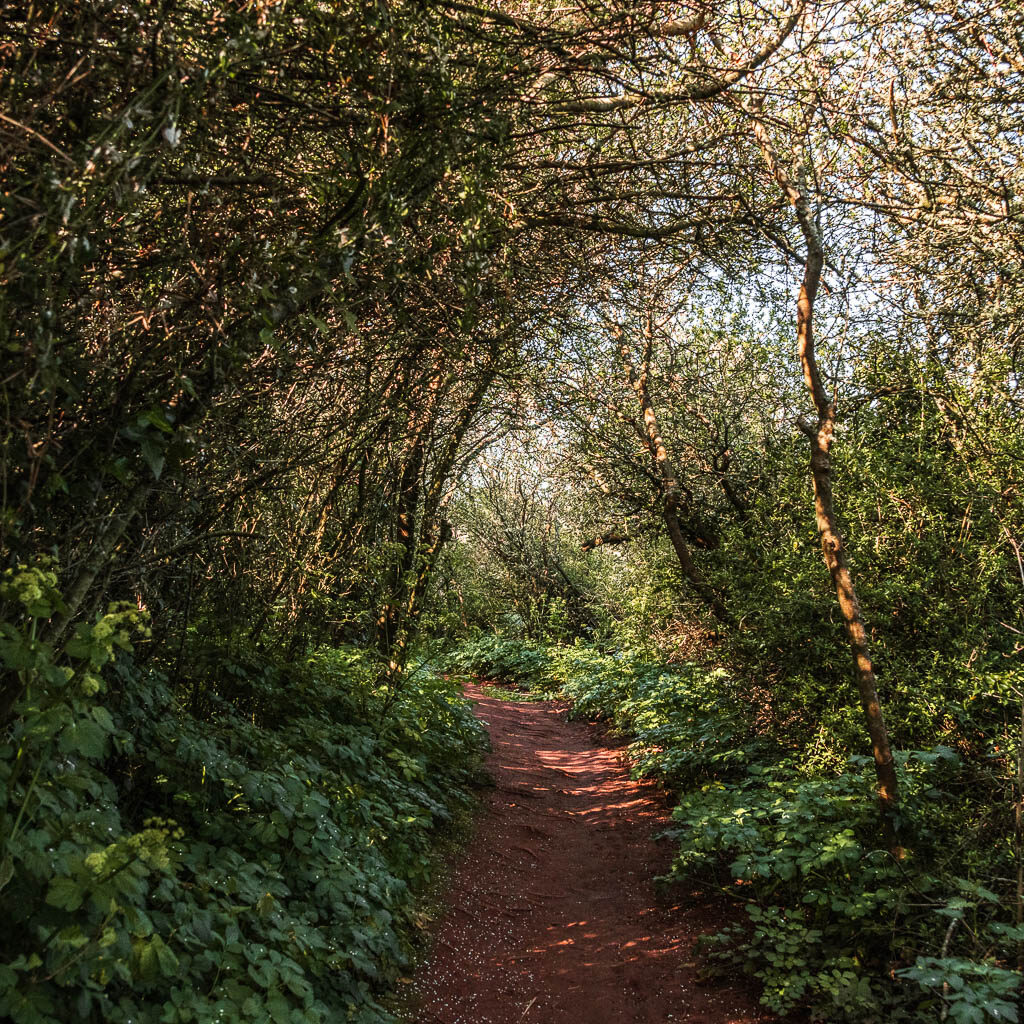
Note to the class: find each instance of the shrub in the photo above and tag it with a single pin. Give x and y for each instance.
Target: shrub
(252, 863)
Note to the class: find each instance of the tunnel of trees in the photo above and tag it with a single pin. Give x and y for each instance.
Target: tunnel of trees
(664, 354)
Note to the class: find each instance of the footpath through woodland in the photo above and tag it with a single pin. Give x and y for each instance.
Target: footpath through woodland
(552, 915)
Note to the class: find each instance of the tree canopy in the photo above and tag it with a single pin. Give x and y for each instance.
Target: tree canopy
(333, 334)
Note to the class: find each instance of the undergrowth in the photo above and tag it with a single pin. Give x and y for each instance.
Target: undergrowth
(243, 850)
(787, 826)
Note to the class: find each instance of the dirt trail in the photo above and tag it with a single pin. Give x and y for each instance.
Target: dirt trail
(552, 916)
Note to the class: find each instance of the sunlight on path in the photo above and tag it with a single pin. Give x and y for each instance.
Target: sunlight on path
(552, 915)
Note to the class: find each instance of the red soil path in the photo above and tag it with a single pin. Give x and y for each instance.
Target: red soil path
(552, 917)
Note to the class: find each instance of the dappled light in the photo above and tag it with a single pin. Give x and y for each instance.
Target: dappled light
(553, 912)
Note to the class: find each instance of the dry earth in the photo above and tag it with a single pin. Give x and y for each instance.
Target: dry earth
(552, 915)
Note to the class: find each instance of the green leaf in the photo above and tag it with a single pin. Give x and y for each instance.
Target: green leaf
(157, 418)
(102, 718)
(154, 455)
(165, 957)
(279, 1009)
(84, 737)
(65, 893)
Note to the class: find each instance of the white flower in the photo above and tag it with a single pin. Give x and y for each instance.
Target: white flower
(172, 134)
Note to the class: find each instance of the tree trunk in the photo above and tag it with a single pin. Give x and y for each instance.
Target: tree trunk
(671, 488)
(821, 435)
(424, 532)
(686, 564)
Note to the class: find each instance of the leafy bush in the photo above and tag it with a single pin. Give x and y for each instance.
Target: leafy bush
(251, 863)
(506, 660)
(972, 992)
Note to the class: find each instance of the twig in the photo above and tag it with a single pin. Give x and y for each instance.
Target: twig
(944, 951)
(42, 138)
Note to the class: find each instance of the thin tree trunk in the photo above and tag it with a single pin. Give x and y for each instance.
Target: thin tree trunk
(99, 556)
(686, 563)
(429, 532)
(821, 435)
(671, 488)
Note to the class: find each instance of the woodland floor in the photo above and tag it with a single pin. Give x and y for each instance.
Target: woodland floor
(551, 915)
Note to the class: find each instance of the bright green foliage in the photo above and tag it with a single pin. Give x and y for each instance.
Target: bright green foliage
(795, 839)
(254, 864)
(508, 661)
